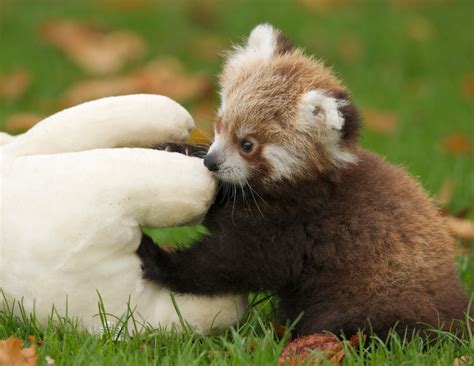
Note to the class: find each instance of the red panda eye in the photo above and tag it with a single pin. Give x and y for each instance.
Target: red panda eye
(246, 145)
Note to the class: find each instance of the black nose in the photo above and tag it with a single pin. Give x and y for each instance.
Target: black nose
(210, 162)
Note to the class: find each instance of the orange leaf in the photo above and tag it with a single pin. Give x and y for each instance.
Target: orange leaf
(446, 192)
(22, 121)
(93, 50)
(461, 228)
(380, 121)
(459, 361)
(12, 353)
(468, 85)
(457, 144)
(302, 349)
(166, 77)
(14, 85)
(280, 330)
(207, 47)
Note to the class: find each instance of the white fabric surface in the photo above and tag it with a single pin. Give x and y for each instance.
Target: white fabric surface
(75, 190)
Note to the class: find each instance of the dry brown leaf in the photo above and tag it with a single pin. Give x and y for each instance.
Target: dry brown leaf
(207, 47)
(280, 330)
(459, 361)
(457, 144)
(468, 85)
(12, 353)
(350, 49)
(446, 192)
(419, 29)
(22, 121)
(460, 228)
(14, 85)
(380, 121)
(95, 51)
(166, 77)
(302, 349)
(204, 12)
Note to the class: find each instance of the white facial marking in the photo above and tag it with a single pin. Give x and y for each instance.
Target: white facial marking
(232, 167)
(284, 164)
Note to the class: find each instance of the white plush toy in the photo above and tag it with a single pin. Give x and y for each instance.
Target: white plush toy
(74, 196)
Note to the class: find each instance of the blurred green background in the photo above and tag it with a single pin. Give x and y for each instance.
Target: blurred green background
(408, 63)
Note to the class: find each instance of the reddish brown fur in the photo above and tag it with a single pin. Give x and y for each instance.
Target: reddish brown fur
(350, 246)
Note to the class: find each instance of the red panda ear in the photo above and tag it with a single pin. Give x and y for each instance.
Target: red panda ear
(283, 44)
(351, 116)
(264, 42)
(334, 110)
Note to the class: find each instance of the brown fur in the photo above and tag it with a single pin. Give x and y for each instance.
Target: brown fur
(350, 245)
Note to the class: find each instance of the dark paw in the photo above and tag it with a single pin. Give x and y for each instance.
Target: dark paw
(185, 149)
(155, 260)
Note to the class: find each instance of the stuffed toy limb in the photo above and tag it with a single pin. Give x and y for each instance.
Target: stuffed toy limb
(74, 196)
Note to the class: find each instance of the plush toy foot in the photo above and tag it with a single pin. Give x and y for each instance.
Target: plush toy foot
(198, 151)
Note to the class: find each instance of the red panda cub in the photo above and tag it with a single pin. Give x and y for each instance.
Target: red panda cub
(342, 237)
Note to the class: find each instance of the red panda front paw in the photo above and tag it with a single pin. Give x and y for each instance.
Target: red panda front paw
(197, 151)
(156, 262)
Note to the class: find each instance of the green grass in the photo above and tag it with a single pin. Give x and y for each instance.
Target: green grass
(419, 80)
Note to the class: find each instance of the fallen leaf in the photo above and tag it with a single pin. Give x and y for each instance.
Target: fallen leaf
(419, 29)
(280, 330)
(166, 77)
(204, 12)
(12, 353)
(456, 144)
(93, 50)
(459, 361)
(22, 121)
(460, 228)
(384, 122)
(207, 47)
(14, 85)
(468, 85)
(446, 192)
(350, 49)
(302, 349)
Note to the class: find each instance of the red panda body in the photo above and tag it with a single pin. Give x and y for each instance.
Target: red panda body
(337, 233)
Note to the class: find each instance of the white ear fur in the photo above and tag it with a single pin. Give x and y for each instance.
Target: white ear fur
(262, 41)
(317, 107)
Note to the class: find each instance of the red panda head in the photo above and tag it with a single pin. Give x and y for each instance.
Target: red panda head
(283, 115)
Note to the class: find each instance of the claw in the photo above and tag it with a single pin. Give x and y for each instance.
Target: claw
(187, 151)
(168, 148)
